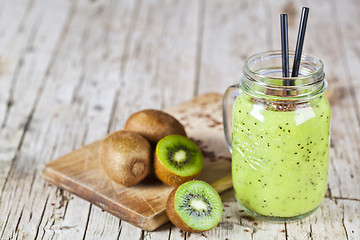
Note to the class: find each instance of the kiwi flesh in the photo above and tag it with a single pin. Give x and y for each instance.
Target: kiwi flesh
(154, 125)
(126, 157)
(194, 206)
(177, 160)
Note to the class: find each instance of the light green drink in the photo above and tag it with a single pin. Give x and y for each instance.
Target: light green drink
(280, 159)
(280, 141)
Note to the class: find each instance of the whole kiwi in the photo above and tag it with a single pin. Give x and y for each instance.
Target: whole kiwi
(126, 157)
(154, 125)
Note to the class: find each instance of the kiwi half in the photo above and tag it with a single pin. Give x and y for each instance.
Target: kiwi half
(194, 206)
(154, 125)
(177, 160)
(126, 157)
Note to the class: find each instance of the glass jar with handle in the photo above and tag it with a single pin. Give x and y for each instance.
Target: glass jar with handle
(278, 130)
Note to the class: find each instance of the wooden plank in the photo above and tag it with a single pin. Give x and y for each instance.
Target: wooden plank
(159, 60)
(345, 121)
(107, 39)
(15, 61)
(346, 17)
(157, 67)
(232, 31)
(78, 100)
(350, 218)
(82, 99)
(30, 51)
(329, 216)
(53, 124)
(10, 51)
(64, 108)
(346, 147)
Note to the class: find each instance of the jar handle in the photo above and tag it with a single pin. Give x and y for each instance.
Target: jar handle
(227, 109)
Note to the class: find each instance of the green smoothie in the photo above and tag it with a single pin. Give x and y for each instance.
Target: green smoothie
(280, 158)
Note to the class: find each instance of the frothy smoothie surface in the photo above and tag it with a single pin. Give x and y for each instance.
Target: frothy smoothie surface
(280, 158)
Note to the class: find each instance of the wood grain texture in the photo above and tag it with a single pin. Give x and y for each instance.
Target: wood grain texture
(72, 71)
(80, 172)
(144, 205)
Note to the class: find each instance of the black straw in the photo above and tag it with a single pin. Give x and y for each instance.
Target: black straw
(300, 41)
(284, 46)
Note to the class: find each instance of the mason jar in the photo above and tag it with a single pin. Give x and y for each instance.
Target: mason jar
(278, 130)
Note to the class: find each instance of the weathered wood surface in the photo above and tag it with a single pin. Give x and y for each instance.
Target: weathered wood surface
(71, 71)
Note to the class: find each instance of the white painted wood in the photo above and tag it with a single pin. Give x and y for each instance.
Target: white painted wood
(9, 50)
(129, 231)
(232, 31)
(344, 167)
(325, 223)
(33, 47)
(162, 233)
(347, 144)
(350, 220)
(102, 225)
(21, 75)
(75, 113)
(89, 102)
(73, 70)
(160, 58)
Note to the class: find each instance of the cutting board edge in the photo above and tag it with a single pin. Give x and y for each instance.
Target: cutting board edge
(148, 223)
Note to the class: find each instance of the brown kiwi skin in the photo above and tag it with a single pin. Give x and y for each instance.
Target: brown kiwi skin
(168, 177)
(126, 157)
(174, 217)
(154, 125)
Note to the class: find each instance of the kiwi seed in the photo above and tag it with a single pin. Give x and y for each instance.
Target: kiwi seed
(194, 206)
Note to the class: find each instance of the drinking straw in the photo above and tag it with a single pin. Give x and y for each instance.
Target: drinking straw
(300, 41)
(284, 47)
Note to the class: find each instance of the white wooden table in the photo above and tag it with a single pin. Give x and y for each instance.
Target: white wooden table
(72, 71)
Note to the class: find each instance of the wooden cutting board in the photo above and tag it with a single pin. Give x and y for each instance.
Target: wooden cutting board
(144, 205)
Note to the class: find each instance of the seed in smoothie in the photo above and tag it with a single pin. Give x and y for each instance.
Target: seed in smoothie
(280, 158)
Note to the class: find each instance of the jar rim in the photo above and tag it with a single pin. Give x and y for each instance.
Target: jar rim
(304, 56)
(262, 77)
